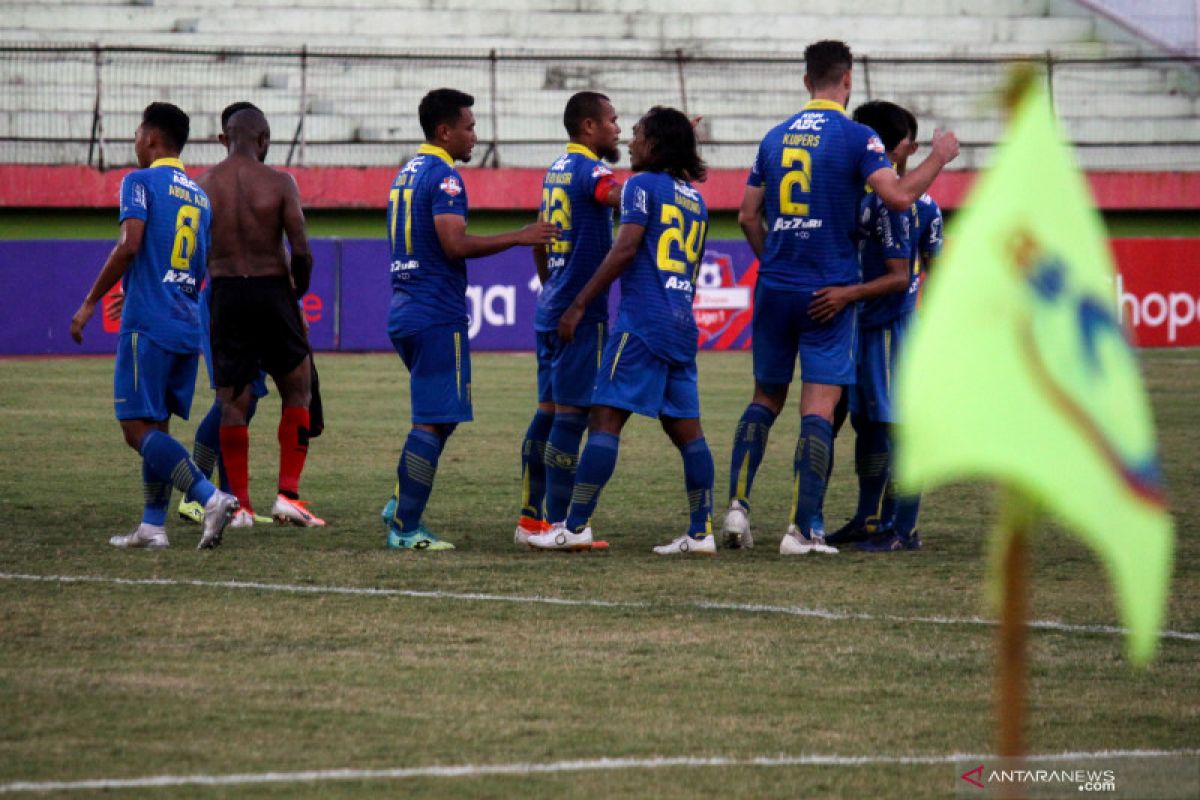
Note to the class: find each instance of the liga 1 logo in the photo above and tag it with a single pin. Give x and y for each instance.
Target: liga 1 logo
(724, 302)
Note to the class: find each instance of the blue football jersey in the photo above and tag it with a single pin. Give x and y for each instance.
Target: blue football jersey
(812, 168)
(428, 288)
(658, 287)
(162, 284)
(569, 200)
(928, 237)
(885, 234)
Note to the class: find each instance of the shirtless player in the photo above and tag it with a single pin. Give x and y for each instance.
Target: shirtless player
(256, 322)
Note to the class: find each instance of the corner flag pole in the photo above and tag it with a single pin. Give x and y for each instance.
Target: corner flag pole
(1017, 524)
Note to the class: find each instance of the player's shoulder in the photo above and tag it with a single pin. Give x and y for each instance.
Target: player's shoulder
(927, 203)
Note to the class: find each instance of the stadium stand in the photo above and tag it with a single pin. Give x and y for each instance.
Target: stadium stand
(353, 70)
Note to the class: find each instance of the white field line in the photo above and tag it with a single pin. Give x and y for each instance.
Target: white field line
(582, 765)
(478, 597)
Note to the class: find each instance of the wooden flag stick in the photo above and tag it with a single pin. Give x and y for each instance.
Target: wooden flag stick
(1011, 638)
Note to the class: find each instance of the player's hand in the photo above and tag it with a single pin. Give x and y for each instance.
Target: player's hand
(112, 308)
(81, 319)
(827, 302)
(540, 232)
(568, 322)
(945, 145)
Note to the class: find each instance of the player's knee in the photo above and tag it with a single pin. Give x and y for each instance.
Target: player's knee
(771, 396)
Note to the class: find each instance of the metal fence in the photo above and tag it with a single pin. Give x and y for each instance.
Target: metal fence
(81, 104)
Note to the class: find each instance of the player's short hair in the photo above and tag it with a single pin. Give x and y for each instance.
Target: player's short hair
(170, 121)
(888, 120)
(826, 61)
(581, 106)
(442, 106)
(673, 147)
(234, 108)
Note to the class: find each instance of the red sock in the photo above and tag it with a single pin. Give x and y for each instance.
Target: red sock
(235, 454)
(293, 449)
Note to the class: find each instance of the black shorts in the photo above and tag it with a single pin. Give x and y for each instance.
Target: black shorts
(256, 326)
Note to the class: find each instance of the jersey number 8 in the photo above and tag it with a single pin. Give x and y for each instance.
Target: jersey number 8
(187, 223)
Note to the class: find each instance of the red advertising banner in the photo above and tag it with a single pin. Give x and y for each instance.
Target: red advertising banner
(1158, 288)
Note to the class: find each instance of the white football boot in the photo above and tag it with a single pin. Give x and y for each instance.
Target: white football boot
(795, 543)
(736, 530)
(686, 545)
(217, 512)
(560, 537)
(150, 537)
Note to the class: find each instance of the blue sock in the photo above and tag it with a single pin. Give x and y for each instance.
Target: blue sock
(818, 520)
(562, 459)
(415, 471)
(596, 466)
(907, 508)
(698, 476)
(749, 445)
(207, 446)
(222, 477)
(809, 469)
(533, 464)
(157, 495)
(872, 456)
(167, 461)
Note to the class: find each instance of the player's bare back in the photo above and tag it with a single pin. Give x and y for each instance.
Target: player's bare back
(252, 207)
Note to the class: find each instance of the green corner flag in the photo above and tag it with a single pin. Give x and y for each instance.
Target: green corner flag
(1019, 369)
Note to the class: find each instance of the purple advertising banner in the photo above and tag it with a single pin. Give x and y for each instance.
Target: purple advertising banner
(347, 304)
(44, 282)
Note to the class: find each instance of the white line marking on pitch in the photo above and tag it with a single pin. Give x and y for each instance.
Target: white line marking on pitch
(747, 608)
(582, 765)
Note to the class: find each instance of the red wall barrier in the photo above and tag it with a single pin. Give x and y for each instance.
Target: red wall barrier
(23, 186)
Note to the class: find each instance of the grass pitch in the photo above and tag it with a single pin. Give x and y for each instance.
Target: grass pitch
(131, 680)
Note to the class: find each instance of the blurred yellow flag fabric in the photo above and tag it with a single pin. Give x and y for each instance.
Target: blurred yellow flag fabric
(1018, 368)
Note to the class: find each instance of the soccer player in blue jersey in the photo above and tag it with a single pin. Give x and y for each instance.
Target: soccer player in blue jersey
(898, 528)
(886, 251)
(649, 363)
(578, 195)
(799, 214)
(160, 259)
(427, 321)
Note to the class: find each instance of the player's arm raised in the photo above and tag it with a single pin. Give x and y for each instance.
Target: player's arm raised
(127, 246)
(297, 236)
(629, 238)
(827, 302)
(457, 243)
(898, 193)
(752, 220)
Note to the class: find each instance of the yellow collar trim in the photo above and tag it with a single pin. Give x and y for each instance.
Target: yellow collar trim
(581, 150)
(433, 150)
(824, 105)
(167, 162)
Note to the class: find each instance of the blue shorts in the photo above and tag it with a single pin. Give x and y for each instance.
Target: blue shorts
(781, 329)
(439, 365)
(258, 386)
(878, 348)
(566, 372)
(152, 383)
(635, 379)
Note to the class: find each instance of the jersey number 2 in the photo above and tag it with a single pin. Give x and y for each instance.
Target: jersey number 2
(556, 208)
(798, 180)
(187, 223)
